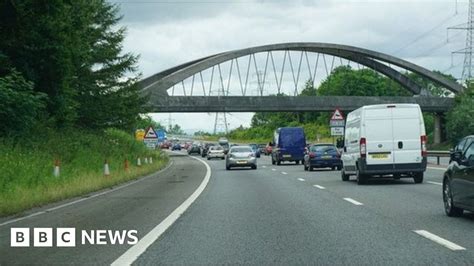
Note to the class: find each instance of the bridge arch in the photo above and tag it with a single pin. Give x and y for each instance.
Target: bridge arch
(158, 84)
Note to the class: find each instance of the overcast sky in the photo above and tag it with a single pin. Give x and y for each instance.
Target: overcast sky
(166, 33)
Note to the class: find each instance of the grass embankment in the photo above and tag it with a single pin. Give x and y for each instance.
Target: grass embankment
(26, 166)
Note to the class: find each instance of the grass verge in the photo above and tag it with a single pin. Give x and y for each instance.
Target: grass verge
(26, 166)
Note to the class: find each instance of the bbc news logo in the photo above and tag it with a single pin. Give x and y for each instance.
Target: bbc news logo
(66, 237)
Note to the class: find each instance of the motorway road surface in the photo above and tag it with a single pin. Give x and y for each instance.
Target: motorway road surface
(272, 215)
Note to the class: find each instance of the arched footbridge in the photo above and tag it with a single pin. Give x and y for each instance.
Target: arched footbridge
(247, 80)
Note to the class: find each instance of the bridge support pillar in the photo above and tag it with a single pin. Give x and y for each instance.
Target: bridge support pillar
(438, 133)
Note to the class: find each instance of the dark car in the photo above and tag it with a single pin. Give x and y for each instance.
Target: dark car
(289, 144)
(321, 156)
(255, 149)
(194, 149)
(458, 183)
(205, 149)
(176, 147)
(262, 148)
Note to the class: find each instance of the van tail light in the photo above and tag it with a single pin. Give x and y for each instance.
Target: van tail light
(363, 148)
(312, 155)
(424, 152)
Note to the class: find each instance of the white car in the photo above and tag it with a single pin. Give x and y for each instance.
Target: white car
(386, 139)
(216, 152)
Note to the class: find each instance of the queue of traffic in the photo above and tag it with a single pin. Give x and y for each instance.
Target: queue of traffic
(380, 141)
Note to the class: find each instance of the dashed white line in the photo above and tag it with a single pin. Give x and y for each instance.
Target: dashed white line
(264, 166)
(301, 179)
(439, 240)
(318, 186)
(273, 169)
(436, 168)
(355, 202)
(284, 173)
(434, 183)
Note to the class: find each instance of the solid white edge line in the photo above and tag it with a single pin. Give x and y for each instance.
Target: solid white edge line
(439, 240)
(355, 202)
(434, 183)
(301, 179)
(135, 251)
(85, 197)
(318, 186)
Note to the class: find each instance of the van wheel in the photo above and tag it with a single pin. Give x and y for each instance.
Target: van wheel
(273, 161)
(333, 168)
(418, 177)
(361, 179)
(344, 177)
(449, 208)
(297, 162)
(278, 162)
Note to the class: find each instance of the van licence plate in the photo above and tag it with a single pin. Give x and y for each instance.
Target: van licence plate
(379, 156)
(327, 157)
(286, 156)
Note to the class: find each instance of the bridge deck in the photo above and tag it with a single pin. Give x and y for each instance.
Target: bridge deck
(277, 103)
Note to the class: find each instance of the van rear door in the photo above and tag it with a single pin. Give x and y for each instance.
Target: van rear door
(379, 136)
(407, 131)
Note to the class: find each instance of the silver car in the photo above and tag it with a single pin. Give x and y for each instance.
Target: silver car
(215, 152)
(240, 156)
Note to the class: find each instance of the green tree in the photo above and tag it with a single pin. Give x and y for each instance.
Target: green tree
(20, 106)
(460, 120)
(72, 52)
(176, 130)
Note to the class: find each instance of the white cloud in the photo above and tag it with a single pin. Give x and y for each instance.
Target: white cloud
(166, 35)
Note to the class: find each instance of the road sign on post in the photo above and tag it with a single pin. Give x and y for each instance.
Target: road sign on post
(150, 139)
(337, 123)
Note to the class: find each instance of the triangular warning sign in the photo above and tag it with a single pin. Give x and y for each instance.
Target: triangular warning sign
(337, 115)
(150, 133)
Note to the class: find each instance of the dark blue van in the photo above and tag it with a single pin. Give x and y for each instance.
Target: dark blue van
(288, 145)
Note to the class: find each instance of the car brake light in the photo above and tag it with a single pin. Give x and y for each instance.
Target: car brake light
(424, 152)
(312, 155)
(363, 148)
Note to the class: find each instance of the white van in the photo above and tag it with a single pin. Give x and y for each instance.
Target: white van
(386, 139)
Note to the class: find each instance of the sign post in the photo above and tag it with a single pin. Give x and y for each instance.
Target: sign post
(337, 123)
(150, 139)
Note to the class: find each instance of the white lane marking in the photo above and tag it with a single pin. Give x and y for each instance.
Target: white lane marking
(318, 186)
(439, 240)
(434, 183)
(85, 197)
(273, 169)
(264, 166)
(355, 202)
(284, 173)
(301, 179)
(135, 251)
(436, 168)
